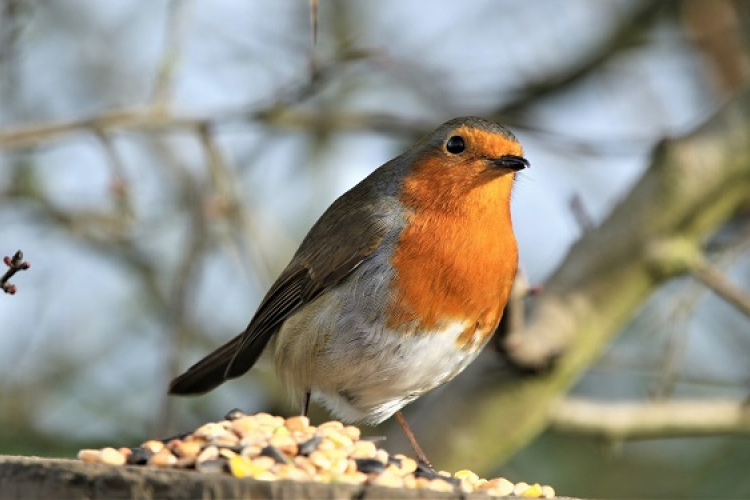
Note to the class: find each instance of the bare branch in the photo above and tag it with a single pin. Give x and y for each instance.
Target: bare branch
(162, 94)
(713, 278)
(119, 186)
(693, 186)
(133, 118)
(619, 39)
(679, 255)
(580, 214)
(621, 421)
(15, 264)
(314, 21)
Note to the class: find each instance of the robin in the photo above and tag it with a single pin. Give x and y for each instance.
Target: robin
(396, 288)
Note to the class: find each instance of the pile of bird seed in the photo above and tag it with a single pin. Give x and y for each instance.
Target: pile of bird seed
(269, 448)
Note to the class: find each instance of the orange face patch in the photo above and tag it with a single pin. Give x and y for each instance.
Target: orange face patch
(445, 181)
(488, 144)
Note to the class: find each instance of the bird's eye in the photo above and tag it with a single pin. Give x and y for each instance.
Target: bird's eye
(455, 145)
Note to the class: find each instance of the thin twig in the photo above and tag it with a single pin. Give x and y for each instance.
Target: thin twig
(314, 21)
(123, 119)
(176, 15)
(723, 253)
(119, 186)
(713, 278)
(580, 214)
(15, 264)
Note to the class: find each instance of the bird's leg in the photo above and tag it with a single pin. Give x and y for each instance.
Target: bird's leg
(306, 403)
(412, 440)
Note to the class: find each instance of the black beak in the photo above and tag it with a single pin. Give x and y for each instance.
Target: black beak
(511, 162)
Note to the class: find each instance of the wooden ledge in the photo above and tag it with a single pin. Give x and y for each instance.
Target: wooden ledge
(34, 477)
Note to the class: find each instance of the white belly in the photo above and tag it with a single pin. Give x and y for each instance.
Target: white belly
(366, 374)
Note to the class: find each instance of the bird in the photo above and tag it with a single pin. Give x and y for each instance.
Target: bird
(396, 288)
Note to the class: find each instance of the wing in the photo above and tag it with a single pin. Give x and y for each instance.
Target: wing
(347, 233)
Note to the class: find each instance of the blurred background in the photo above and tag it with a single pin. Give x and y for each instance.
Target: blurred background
(160, 162)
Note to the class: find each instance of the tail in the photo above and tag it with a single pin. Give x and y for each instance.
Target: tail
(212, 371)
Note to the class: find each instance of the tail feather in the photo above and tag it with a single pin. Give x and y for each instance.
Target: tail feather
(211, 371)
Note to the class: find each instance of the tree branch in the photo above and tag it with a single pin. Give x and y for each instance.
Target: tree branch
(622, 421)
(281, 115)
(714, 279)
(692, 188)
(620, 38)
(169, 61)
(15, 264)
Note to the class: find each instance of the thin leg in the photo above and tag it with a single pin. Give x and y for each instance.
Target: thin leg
(306, 404)
(412, 440)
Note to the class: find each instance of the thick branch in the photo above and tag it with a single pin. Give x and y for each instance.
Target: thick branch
(620, 421)
(692, 187)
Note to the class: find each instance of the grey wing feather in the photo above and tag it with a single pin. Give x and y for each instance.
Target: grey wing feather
(316, 267)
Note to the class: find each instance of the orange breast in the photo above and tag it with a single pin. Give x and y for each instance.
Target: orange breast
(457, 256)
